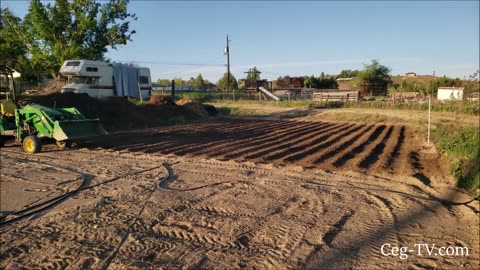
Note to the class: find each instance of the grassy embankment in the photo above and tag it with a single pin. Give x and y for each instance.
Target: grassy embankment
(461, 146)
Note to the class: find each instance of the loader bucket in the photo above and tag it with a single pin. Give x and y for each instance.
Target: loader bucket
(77, 129)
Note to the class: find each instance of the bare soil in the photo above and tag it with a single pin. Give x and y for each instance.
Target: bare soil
(233, 193)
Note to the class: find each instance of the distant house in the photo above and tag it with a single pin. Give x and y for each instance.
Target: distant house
(450, 93)
(410, 74)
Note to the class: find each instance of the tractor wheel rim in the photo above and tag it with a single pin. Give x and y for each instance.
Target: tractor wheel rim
(29, 145)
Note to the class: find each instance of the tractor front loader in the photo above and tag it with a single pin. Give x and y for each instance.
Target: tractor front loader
(34, 123)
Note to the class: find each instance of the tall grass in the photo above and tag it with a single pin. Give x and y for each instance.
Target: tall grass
(232, 111)
(461, 145)
(461, 107)
(283, 104)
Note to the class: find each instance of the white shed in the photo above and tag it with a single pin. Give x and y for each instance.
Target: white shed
(450, 93)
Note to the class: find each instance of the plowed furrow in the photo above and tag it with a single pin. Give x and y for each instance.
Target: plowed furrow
(371, 154)
(341, 145)
(314, 148)
(238, 133)
(154, 138)
(289, 144)
(392, 160)
(197, 138)
(285, 142)
(251, 142)
(380, 155)
(239, 137)
(362, 149)
(304, 144)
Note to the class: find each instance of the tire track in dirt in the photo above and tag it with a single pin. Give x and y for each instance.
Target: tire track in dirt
(107, 213)
(282, 230)
(192, 236)
(221, 214)
(387, 221)
(331, 234)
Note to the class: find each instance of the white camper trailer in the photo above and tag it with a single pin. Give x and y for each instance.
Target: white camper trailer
(101, 79)
(450, 93)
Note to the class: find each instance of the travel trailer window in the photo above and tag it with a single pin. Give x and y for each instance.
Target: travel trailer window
(92, 69)
(85, 80)
(73, 64)
(144, 79)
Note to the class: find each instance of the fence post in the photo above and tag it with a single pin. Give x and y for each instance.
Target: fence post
(429, 109)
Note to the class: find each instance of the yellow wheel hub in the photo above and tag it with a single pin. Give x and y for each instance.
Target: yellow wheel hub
(29, 145)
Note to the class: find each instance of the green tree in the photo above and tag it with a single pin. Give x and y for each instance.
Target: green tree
(253, 74)
(199, 83)
(472, 84)
(222, 83)
(179, 81)
(241, 84)
(164, 82)
(79, 29)
(375, 73)
(347, 73)
(190, 82)
(12, 48)
(14, 51)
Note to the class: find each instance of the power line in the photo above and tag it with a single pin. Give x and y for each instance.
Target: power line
(174, 63)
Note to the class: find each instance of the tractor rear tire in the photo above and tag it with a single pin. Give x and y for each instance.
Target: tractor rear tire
(32, 144)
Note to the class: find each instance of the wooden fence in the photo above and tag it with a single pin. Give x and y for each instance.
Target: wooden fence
(336, 96)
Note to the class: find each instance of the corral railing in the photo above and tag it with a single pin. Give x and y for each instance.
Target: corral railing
(325, 96)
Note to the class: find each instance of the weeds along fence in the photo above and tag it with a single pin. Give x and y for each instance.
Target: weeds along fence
(461, 107)
(237, 95)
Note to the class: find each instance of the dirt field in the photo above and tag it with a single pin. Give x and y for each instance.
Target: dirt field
(372, 149)
(223, 193)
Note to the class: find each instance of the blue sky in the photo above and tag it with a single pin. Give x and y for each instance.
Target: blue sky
(299, 38)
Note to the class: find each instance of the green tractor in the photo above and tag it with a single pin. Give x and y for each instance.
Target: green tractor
(33, 124)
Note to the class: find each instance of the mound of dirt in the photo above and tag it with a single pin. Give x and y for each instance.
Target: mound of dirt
(184, 101)
(196, 108)
(118, 113)
(160, 100)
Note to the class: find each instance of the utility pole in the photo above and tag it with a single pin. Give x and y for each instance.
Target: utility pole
(430, 109)
(227, 52)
